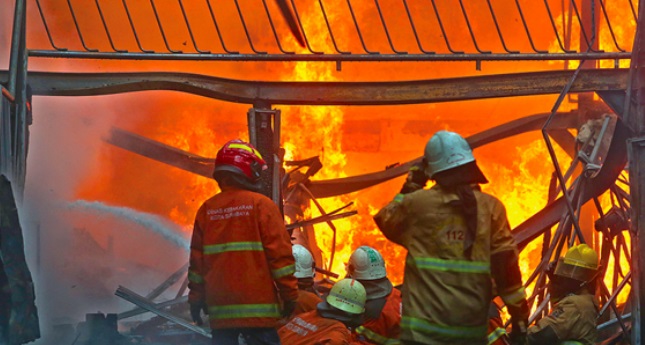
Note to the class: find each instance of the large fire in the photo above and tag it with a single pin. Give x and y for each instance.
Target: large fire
(519, 176)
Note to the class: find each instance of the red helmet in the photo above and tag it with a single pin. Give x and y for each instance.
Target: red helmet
(241, 158)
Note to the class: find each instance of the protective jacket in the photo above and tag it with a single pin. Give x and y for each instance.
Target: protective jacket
(496, 332)
(446, 294)
(312, 329)
(240, 260)
(307, 301)
(384, 330)
(573, 320)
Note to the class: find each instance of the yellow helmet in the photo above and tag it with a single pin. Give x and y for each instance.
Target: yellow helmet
(579, 263)
(348, 295)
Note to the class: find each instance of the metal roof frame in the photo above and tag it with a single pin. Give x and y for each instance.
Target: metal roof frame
(101, 33)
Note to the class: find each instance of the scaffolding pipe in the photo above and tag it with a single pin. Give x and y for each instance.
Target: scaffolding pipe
(635, 111)
(14, 56)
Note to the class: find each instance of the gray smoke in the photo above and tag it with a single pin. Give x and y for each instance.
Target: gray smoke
(159, 225)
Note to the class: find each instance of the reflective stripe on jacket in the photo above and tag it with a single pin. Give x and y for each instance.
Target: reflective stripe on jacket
(496, 336)
(573, 319)
(240, 260)
(387, 328)
(312, 329)
(446, 295)
(496, 332)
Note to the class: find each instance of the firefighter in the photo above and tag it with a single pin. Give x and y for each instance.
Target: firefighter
(575, 309)
(308, 298)
(383, 305)
(332, 320)
(241, 265)
(457, 238)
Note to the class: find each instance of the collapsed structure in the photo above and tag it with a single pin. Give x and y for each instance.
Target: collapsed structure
(608, 130)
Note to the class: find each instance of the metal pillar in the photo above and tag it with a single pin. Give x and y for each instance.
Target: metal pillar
(18, 112)
(588, 42)
(636, 151)
(635, 116)
(264, 134)
(5, 135)
(23, 325)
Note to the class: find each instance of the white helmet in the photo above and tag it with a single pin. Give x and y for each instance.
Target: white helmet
(366, 263)
(304, 262)
(446, 150)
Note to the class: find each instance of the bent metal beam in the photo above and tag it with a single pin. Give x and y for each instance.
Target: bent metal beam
(327, 93)
(333, 187)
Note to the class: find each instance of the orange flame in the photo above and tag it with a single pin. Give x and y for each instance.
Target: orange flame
(519, 177)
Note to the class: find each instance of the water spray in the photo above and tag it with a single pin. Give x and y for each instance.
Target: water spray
(161, 226)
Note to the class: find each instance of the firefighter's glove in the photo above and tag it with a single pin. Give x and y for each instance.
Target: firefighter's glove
(288, 308)
(196, 312)
(416, 178)
(518, 334)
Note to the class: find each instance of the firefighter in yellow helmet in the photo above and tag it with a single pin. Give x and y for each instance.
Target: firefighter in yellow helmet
(457, 238)
(331, 322)
(572, 287)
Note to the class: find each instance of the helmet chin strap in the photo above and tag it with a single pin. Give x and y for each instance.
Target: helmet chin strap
(585, 283)
(225, 178)
(256, 169)
(560, 290)
(253, 187)
(350, 320)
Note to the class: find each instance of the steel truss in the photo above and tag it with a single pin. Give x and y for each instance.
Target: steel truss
(362, 32)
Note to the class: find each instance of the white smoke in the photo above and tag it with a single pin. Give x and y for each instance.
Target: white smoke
(159, 225)
(79, 252)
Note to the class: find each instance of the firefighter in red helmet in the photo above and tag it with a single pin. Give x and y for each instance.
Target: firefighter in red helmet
(241, 265)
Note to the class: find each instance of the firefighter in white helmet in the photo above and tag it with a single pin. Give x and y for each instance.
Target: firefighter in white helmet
(575, 310)
(308, 297)
(305, 267)
(383, 306)
(457, 238)
(332, 321)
